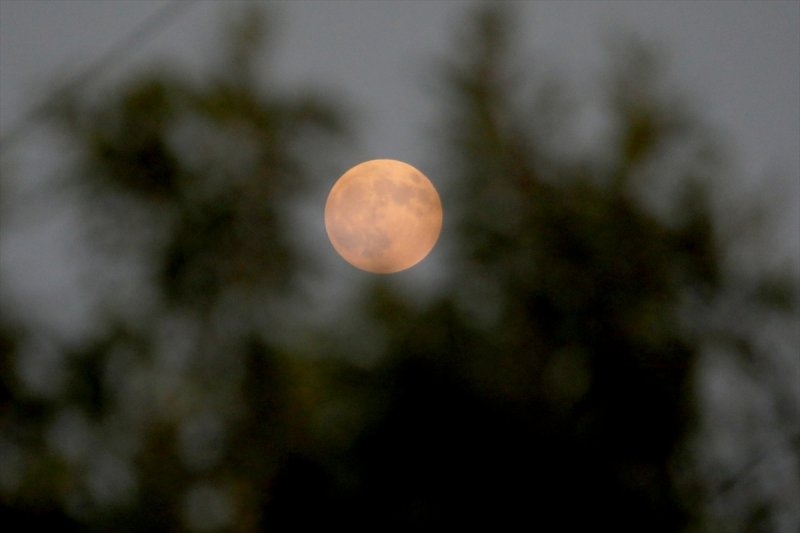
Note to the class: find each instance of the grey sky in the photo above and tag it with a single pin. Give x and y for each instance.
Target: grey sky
(739, 60)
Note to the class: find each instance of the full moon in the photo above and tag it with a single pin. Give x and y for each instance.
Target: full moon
(383, 216)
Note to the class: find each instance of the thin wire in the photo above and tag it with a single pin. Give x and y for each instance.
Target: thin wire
(126, 45)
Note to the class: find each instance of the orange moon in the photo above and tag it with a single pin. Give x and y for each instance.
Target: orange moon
(383, 216)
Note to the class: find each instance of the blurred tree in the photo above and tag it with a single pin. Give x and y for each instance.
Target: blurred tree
(551, 385)
(558, 393)
(179, 409)
(555, 385)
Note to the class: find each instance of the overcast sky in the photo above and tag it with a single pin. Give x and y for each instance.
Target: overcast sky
(739, 60)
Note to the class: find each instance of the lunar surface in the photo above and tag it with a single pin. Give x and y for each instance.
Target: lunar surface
(383, 216)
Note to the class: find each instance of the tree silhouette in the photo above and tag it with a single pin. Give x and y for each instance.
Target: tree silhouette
(181, 408)
(551, 384)
(572, 395)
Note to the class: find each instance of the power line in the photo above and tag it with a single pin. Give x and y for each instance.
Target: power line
(126, 45)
